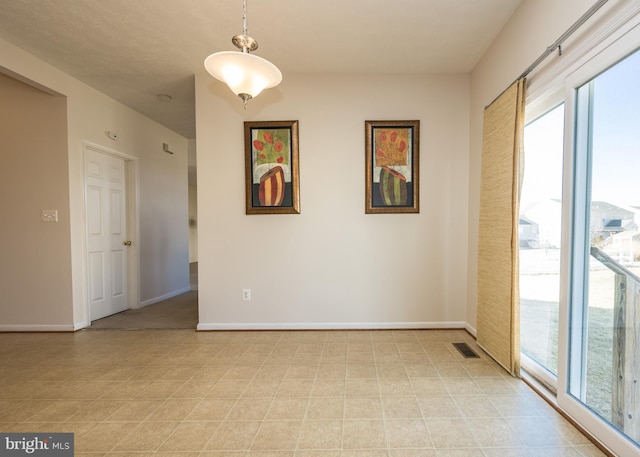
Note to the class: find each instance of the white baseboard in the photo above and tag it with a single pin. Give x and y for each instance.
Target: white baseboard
(81, 325)
(151, 301)
(471, 330)
(333, 326)
(37, 328)
(261, 326)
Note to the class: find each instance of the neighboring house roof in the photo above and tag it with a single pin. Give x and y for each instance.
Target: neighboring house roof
(608, 208)
(613, 212)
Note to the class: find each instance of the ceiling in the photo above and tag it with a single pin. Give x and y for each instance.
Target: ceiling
(133, 50)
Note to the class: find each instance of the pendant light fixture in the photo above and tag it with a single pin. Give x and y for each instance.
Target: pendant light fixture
(245, 74)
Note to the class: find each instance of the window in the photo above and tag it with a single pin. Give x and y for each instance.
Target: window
(539, 233)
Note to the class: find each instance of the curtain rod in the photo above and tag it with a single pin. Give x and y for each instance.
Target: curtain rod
(558, 43)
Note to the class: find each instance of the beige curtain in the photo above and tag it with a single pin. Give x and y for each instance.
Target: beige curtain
(498, 323)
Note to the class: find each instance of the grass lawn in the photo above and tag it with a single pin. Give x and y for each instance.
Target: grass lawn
(539, 292)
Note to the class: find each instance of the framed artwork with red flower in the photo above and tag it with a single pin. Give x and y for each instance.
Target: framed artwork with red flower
(271, 167)
(392, 166)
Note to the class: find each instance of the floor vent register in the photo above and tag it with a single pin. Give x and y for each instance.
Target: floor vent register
(466, 351)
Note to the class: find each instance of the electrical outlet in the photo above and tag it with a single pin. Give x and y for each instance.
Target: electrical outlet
(49, 215)
(246, 294)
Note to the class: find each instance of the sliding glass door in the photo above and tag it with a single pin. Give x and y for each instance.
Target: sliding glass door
(579, 235)
(604, 306)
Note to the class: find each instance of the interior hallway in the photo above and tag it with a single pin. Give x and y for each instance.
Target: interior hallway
(179, 312)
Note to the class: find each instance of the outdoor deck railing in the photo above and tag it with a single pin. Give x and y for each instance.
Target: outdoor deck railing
(625, 401)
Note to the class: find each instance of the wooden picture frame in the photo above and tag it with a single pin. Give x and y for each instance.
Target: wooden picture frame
(272, 175)
(392, 166)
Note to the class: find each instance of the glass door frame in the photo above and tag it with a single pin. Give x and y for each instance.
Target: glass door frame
(574, 265)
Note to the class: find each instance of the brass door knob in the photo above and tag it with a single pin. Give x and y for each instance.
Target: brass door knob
(127, 243)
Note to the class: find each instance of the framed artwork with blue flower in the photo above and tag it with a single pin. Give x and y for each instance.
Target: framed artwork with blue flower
(392, 166)
(271, 167)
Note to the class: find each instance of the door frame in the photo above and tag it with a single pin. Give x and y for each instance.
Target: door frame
(133, 225)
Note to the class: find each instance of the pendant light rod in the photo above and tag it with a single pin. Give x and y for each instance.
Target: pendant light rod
(244, 42)
(244, 17)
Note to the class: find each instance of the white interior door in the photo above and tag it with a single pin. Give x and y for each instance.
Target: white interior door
(106, 233)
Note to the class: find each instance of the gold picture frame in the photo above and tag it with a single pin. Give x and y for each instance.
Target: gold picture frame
(272, 175)
(392, 166)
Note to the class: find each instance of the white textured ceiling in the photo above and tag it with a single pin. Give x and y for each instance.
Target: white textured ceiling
(133, 50)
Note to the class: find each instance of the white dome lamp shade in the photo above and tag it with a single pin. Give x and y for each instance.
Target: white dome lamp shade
(246, 75)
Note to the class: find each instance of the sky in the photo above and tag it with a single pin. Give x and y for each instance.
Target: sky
(616, 134)
(543, 142)
(616, 142)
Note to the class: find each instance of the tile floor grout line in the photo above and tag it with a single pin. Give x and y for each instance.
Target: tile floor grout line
(454, 387)
(263, 420)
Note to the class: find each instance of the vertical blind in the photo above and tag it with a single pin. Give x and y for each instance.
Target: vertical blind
(498, 319)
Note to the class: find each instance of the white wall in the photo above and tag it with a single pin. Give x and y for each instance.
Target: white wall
(163, 195)
(535, 25)
(332, 265)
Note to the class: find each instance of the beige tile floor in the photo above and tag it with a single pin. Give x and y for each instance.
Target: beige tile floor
(274, 394)
(179, 312)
